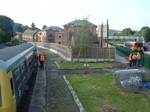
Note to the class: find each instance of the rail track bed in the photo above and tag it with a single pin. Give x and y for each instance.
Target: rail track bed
(51, 93)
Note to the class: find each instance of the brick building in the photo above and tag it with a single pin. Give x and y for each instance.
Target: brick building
(29, 35)
(70, 27)
(55, 34)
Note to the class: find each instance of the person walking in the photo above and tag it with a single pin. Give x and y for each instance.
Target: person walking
(42, 60)
(138, 59)
(130, 59)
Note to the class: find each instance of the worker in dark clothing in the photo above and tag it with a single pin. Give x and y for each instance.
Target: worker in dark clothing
(42, 60)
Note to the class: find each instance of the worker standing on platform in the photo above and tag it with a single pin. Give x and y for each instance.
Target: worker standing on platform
(130, 59)
(138, 59)
(134, 58)
(42, 60)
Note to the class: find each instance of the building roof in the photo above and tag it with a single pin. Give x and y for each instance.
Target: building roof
(54, 28)
(30, 32)
(78, 23)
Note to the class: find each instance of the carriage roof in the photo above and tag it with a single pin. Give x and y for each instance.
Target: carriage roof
(9, 55)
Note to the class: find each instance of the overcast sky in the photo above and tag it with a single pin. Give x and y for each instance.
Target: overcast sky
(120, 13)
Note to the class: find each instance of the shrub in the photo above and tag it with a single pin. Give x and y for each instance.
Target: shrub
(15, 41)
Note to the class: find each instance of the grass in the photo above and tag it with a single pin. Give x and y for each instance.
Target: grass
(98, 93)
(74, 65)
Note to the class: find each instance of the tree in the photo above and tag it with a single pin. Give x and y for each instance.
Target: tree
(19, 27)
(33, 26)
(44, 26)
(145, 32)
(15, 41)
(83, 38)
(2, 35)
(6, 25)
(137, 33)
(127, 32)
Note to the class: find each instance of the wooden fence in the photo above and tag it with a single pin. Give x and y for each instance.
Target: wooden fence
(91, 53)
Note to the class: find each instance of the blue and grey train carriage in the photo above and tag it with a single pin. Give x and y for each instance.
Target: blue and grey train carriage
(17, 65)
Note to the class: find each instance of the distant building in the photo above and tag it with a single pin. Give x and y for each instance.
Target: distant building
(53, 34)
(70, 27)
(18, 35)
(29, 35)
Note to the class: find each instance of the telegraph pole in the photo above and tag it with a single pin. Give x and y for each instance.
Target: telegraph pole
(102, 35)
(107, 32)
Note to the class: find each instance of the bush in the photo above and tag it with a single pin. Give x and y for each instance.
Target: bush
(15, 41)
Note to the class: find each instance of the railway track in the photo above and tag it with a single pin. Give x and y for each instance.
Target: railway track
(58, 96)
(25, 101)
(55, 96)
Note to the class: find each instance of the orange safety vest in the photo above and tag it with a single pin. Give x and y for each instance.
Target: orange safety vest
(130, 57)
(134, 57)
(138, 56)
(42, 58)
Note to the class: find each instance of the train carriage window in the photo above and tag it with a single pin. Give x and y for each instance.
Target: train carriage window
(0, 97)
(16, 75)
(22, 68)
(12, 86)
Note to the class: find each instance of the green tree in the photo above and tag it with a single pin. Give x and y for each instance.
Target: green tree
(33, 27)
(145, 32)
(44, 26)
(19, 27)
(127, 32)
(2, 35)
(15, 41)
(6, 25)
(83, 38)
(137, 33)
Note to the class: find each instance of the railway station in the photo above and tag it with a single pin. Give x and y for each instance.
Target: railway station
(46, 89)
(74, 56)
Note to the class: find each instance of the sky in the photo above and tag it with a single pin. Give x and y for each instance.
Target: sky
(120, 13)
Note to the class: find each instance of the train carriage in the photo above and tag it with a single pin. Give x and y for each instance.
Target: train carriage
(17, 65)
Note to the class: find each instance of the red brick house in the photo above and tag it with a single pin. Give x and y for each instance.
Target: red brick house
(55, 34)
(69, 29)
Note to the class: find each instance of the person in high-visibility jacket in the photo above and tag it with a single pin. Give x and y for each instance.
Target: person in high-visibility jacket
(130, 59)
(42, 60)
(138, 59)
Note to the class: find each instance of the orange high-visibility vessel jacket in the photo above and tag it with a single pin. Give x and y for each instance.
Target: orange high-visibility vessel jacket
(42, 58)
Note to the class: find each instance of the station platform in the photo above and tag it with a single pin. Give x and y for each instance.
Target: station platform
(38, 101)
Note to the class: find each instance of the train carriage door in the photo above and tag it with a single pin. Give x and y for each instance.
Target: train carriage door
(12, 92)
(8, 99)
